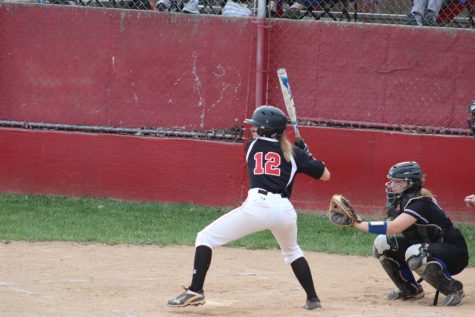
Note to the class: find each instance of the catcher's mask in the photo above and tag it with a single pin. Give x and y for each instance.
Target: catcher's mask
(411, 173)
(471, 121)
(270, 121)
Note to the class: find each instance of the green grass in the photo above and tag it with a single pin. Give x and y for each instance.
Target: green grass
(53, 218)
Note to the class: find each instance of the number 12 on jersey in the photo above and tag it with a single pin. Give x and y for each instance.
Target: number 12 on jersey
(268, 164)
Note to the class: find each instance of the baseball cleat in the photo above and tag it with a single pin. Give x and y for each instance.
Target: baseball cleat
(187, 298)
(398, 294)
(311, 304)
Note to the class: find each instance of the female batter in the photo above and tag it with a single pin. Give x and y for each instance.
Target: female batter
(272, 163)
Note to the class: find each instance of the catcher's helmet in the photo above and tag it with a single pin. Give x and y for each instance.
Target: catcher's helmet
(471, 121)
(409, 171)
(270, 121)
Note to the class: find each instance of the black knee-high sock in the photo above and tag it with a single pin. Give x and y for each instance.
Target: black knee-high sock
(303, 274)
(200, 268)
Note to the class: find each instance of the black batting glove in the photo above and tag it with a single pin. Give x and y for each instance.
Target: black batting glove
(302, 145)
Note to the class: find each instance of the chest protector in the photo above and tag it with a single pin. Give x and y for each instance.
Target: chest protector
(422, 233)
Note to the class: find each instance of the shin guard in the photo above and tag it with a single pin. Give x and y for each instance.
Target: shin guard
(435, 273)
(402, 278)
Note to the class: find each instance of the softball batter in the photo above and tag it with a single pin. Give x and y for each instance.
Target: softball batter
(272, 163)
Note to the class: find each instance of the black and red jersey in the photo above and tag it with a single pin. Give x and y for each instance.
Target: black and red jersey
(268, 169)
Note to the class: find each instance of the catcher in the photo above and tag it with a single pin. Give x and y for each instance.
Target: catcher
(430, 245)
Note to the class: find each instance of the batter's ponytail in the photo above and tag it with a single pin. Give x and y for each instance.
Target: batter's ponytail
(426, 193)
(286, 146)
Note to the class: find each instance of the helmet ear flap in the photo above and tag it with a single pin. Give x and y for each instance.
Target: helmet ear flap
(261, 131)
(271, 133)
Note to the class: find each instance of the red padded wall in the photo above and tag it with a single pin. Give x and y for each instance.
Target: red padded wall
(213, 173)
(146, 69)
(123, 167)
(360, 159)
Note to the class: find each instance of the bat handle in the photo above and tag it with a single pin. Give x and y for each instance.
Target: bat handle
(297, 133)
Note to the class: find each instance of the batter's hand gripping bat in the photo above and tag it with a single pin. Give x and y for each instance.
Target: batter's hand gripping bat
(288, 99)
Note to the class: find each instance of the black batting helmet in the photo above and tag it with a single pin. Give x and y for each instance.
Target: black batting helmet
(270, 121)
(409, 171)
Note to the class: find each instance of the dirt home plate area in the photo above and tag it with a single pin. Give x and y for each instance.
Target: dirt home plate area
(70, 279)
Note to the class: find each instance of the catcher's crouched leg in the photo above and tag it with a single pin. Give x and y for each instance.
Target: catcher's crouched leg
(434, 271)
(400, 274)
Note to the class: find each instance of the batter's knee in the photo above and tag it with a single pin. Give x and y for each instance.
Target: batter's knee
(292, 254)
(202, 238)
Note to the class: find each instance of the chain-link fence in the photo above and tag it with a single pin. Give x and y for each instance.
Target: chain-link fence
(378, 77)
(102, 66)
(124, 71)
(442, 13)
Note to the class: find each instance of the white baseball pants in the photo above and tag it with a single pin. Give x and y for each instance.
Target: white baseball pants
(259, 212)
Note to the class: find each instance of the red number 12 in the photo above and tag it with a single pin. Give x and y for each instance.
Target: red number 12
(271, 165)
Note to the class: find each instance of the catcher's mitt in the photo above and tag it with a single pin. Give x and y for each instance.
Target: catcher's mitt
(341, 213)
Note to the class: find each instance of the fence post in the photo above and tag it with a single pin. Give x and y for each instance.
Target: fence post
(260, 52)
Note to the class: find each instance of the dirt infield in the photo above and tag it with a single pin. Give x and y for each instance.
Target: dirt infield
(68, 279)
